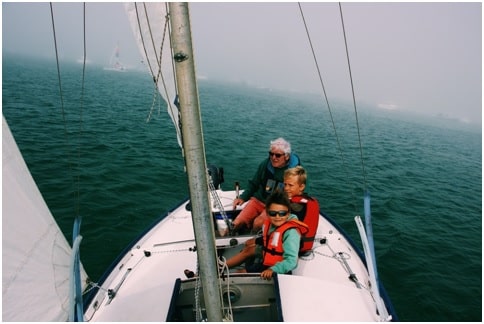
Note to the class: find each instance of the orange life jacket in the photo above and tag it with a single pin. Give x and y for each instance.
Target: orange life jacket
(272, 243)
(310, 217)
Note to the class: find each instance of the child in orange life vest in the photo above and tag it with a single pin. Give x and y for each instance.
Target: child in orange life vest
(281, 235)
(303, 206)
(281, 238)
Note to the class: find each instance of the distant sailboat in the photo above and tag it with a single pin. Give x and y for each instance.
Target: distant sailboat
(83, 60)
(114, 62)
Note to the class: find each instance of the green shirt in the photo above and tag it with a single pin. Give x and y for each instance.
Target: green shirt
(265, 171)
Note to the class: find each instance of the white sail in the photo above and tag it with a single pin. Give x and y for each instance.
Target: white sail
(35, 254)
(148, 21)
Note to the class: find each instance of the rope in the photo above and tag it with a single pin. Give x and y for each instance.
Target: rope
(159, 74)
(171, 251)
(198, 308)
(223, 268)
(222, 264)
(218, 203)
(93, 285)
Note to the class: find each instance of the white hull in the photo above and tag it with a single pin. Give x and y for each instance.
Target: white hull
(318, 290)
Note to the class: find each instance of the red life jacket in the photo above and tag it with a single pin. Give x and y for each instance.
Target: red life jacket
(310, 218)
(272, 243)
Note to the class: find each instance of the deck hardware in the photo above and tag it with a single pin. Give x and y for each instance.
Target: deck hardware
(112, 292)
(352, 275)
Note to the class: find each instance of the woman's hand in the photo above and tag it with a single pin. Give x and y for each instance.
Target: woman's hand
(237, 202)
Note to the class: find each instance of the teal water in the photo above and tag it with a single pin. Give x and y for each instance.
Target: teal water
(120, 173)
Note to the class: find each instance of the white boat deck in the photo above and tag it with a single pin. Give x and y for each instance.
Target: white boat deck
(318, 290)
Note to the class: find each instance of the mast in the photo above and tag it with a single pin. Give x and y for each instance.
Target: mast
(195, 158)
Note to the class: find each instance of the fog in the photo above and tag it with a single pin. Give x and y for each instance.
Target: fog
(424, 57)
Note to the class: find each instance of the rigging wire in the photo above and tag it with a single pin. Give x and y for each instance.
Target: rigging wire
(63, 110)
(59, 79)
(141, 36)
(75, 291)
(345, 166)
(81, 108)
(354, 101)
(155, 79)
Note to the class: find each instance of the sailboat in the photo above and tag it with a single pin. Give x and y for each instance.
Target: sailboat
(82, 61)
(115, 62)
(148, 282)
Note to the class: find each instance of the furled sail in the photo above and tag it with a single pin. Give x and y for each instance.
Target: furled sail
(151, 30)
(35, 254)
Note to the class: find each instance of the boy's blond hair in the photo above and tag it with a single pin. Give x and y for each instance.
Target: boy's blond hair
(298, 171)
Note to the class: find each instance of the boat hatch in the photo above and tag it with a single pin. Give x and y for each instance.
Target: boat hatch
(251, 299)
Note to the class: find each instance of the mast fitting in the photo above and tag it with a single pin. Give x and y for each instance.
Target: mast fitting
(180, 57)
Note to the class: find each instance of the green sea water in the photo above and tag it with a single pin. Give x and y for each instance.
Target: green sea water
(94, 154)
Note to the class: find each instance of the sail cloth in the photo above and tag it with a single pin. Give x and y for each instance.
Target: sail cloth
(35, 254)
(150, 26)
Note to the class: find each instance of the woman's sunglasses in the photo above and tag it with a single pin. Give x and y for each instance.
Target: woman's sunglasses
(281, 213)
(277, 155)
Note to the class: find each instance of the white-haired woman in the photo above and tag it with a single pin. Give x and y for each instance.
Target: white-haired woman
(268, 177)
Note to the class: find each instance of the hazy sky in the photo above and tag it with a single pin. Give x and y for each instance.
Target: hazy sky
(411, 56)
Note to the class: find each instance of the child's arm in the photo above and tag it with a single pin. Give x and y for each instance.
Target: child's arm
(291, 242)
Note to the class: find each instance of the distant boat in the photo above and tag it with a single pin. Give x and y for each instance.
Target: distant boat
(114, 62)
(81, 61)
(387, 106)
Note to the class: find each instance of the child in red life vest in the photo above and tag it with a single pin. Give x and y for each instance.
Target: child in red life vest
(303, 206)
